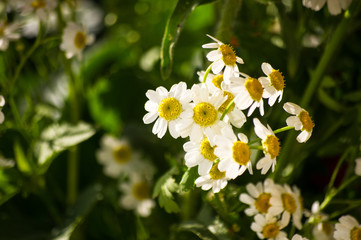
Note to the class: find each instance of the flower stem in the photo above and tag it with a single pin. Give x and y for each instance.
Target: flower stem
(227, 109)
(283, 129)
(207, 72)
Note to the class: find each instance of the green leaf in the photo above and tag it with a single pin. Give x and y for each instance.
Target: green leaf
(7, 187)
(21, 160)
(188, 178)
(164, 188)
(198, 229)
(172, 31)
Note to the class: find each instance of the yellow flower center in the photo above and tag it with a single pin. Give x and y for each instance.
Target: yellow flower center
(141, 190)
(289, 202)
(272, 145)
(215, 174)
(122, 154)
(327, 228)
(356, 233)
(207, 150)
(217, 80)
(262, 202)
(270, 230)
(228, 55)
(230, 98)
(80, 40)
(277, 80)
(205, 114)
(169, 108)
(38, 4)
(306, 121)
(241, 153)
(254, 88)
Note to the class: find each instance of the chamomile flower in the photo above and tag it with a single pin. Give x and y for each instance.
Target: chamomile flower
(137, 195)
(215, 179)
(358, 166)
(8, 32)
(298, 237)
(348, 228)
(199, 154)
(301, 121)
(249, 93)
(167, 108)
(273, 84)
(205, 117)
(234, 153)
(334, 6)
(223, 57)
(74, 40)
(2, 103)
(258, 197)
(288, 201)
(322, 230)
(116, 156)
(40, 7)
(267, 226)
(270, 144)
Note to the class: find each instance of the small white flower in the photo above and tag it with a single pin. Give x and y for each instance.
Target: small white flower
(137, 195)
(258, 197)
(2, 103)
(323, 230)
(8, 32)
(348, 228)
(267, 226)
(40, 7)
(270, 144)
(301, 121)
(6, 163)
(223, 57)
(74, 40)
(273, 84)
(358, 166)
(215, 179)
(116, 156)
(168, 108)
(298, 237)
(334, 6)
(234, 153)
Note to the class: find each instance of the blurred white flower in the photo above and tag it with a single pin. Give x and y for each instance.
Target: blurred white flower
(267, 226)
(8, 32)
(215, 179)
(348, 228)
(358, 166)
(6, 163)
(40, 7)
(2, 103)
(334, 6)
(323, 230)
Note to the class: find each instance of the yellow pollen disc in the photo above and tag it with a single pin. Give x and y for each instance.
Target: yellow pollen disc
(289, 203)
(277, 80)
(272, 146)
(207, 150)
(228, 55)
(217, 80)
(262, 202)
(205, 114)
(215, 174)
(306, 121)
(230, 98)
(141, 190)
(356, 233)
(254, 88)
(122, 154)
(169, 108)
(270, 230)
(241, 153)
(38, 4)
(80, 40)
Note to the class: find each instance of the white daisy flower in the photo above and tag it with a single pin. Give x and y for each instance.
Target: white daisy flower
(167, 108)
(40, 7)
(249, 93)
(2, 103)
(137, 195)
(267, 226)
(270, 144)
(74, 40)
(273, 84)
(358, 166)
(322, 230)
(8, 32)
(223, 57)
(258, 197)
(288, 201)
(334, 6)
(234, 153)
(199, 154)
(301, 121)
(348, 228)
(116, 156)
(205, 117)
(215, 179)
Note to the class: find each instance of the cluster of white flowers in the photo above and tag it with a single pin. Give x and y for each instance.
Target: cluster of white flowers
(335, 7)
(120, 160)
(210, 114)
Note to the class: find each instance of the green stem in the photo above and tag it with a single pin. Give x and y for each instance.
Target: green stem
(207, 72)
(230, 10)
(227, 109)
(283, 129)
(256, 147)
